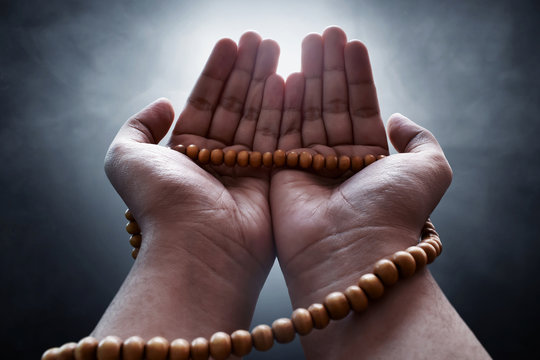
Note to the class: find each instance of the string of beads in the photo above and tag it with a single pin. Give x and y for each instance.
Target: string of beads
(336, 306)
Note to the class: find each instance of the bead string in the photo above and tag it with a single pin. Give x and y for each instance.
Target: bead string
(336, 305)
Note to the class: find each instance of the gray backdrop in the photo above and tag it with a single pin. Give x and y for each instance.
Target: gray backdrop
(71, 72)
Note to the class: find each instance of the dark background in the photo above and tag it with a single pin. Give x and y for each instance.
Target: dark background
(71, 72)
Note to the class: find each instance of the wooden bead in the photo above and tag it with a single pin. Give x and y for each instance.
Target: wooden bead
(204, 156)
(320, 316)
(255, 159)
(369, 159)
(241, 342)
(318, 162)
(243, 158)
(135, 253)
(157, 348)
(230, 158)
(337, 305)
(357, 163)
(302, 321)
(357, 298)
(405, 263)
(86, 348)
(372, 286)
(133, 228)
(283, 330)
(427, 232)
(67, 351)
(305, 160)
(344, 163)
(51, 354)
(434, 244)
(109, 348)
(292, 159)
(133, 348)
(220, 346)
(268, 159)
(419, 255)
(135, 240)
(381, 156)
(430, 251)
(438, 241)
(179, 350)
(192, 151)
(263, 338)
(279, 158)
(200, 349)
(331, 162)
(387, 271)
(180, 148)
(216, 156)
(129, 215)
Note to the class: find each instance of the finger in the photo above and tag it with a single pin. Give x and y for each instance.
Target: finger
(267, 132)
(368, 127)
(408, 137)
(196, 117)
(231, 103)
(291, 124)
(336, 117)
(313, 131)
(149, 125)
(266, 64)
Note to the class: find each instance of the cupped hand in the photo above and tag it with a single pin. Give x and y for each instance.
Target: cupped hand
(330, 229)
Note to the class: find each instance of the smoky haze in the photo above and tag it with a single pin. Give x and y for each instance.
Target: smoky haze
(72, 72)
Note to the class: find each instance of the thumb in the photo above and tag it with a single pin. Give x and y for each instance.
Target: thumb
(407, 136)
(149, 125)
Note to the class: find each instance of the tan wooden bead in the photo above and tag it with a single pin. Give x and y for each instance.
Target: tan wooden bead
(331, 162)
(268, 159)
(133, 348)
(283, 330)
(135, 240)
(430, 251)
(109, 348)
(135, 253)
(241, 342)
(369, 159)
(243, 158)
(216, 156)
(230, 158)
(426, 232)
(129, 215)
(67, 351)
(133, 228)
(372, 286)
(438, 241)
(429, 225)
(357, 163)
(387, 271)
(419, 255)
(263, 338)
(220, 346)
(379, 157)
(318, 162)
(357, 298)
(179, 350)
(204, 156)
(337, 305)
(180, 148)
(305, 160)
(86, 348)
(434, 244)
(292, 159)
(320, 316)
(279, 158)
(192, 151)
(405, 263)
(302, 321)
(200, 349)
(255, 159)
(51, 354)
(157, 348)
(344, 163)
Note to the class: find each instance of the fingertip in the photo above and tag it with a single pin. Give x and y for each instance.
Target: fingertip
(334, 32)
(250, 36)
(295, 78)
(275, 80)
(311, 39)
(271, 46)
(226, 47)
(165, 107)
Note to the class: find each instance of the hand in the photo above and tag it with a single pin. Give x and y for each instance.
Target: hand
(330, 230)
(206, 231)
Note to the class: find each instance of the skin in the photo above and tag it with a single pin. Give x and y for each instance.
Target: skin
(211, 233)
